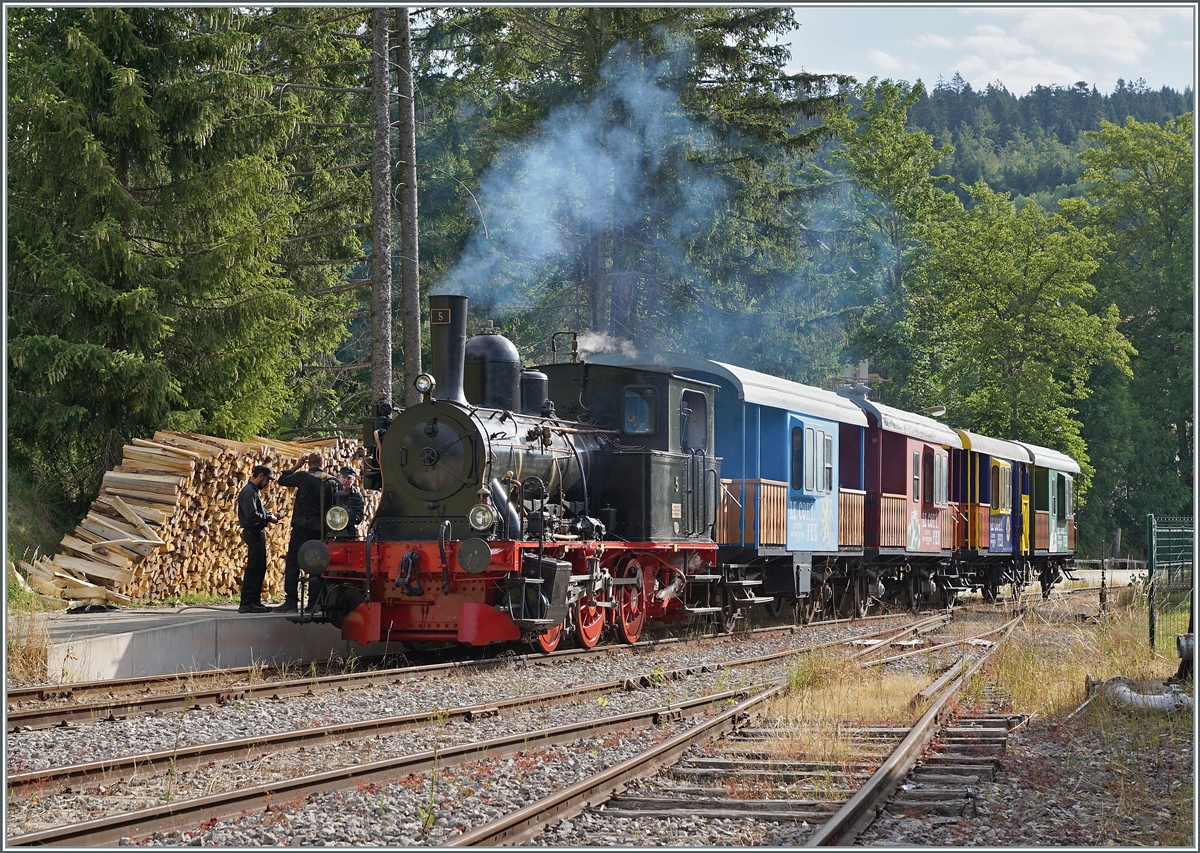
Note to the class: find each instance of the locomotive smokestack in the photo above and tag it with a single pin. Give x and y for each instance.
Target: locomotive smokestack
(448, 341)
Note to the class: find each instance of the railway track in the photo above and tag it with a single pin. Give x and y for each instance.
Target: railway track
(179, 815)
(56, 705)
(115, 771)
(838, 826)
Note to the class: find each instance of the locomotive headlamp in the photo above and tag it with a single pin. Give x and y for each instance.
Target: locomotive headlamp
(424, 383)
(481, 517)
(337, 518)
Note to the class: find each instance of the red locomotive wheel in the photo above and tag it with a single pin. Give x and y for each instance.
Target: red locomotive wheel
(547, 641)
(589, 623)
(631, 605)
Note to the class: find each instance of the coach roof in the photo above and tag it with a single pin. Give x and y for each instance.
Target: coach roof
(905, 423)
(994, 446)
(1044, 457)
(751, 386)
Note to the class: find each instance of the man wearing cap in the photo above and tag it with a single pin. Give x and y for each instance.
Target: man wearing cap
(253, 520)
(349, 497)
(314, 496)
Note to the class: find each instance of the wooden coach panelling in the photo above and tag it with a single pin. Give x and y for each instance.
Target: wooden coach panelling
(729, 513)
(893, 521)
(948, 529)
(765, 500)
(958, 513)
(768, 498)
(981, 517)
(1041, 530)
(1071, 535)
(850, 518)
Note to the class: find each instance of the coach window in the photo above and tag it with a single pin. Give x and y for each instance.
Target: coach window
(810, 460)
(928, 474)
(1069, 509)
(829, 463)
(797, 458)
(916, 471)
(693, 421)
(640, 406)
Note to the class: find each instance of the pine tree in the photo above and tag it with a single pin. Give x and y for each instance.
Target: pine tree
(147, 205)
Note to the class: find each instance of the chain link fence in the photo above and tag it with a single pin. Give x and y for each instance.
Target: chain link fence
(1171, 579)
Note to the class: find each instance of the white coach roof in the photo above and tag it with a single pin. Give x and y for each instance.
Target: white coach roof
(751, 386)
(1046, 458)
(905, 423)
(993, 446)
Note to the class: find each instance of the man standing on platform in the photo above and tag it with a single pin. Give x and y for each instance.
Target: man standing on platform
(253, 520)
(314, 496)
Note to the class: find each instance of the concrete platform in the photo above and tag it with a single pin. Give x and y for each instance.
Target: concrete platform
(133, 642)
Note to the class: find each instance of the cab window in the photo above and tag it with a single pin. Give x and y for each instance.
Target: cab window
(693, 421)
(640, 406)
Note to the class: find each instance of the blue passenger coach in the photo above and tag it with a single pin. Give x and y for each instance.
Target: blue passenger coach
(791, 462)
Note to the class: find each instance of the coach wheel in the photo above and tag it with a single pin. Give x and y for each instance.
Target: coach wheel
(631, 604)
(775, 606)
(729, 613)
(589, 622)
(548, 640)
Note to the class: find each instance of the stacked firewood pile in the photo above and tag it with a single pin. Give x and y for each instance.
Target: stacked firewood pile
(165, 523)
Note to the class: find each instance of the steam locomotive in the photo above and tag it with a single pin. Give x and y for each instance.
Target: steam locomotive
(576, 498)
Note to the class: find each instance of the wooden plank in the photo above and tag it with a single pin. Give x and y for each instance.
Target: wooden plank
(92, 539)
(95, 551)
(145, 456)
(150, 483)
(90, 567)
(45, 587)
(134, 519)
(34, 570)
(187, 442)
(108, 534)
(116, 597)
(123, 530)
(139, 495)
(169, 450)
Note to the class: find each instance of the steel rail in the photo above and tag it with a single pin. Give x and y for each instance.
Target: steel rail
(861, 809)
(28, 719)
(52, 780)
(184, 813)
(528, 821)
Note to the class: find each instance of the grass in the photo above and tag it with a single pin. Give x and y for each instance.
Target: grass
(189, 599)
(1045, 662)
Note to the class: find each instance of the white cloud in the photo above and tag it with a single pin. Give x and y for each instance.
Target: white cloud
(886, 62)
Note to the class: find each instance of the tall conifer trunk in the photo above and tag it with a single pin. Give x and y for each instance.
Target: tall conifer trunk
(381, 212)
(410, 275)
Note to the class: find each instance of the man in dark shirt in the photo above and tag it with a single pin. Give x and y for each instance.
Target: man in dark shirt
(349, 497)
(314, 496)
(253, 520)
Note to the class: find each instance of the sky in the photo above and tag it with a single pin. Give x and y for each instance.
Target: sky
(1021, 46)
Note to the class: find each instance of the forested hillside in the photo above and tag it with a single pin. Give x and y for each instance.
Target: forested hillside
(189, 235)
